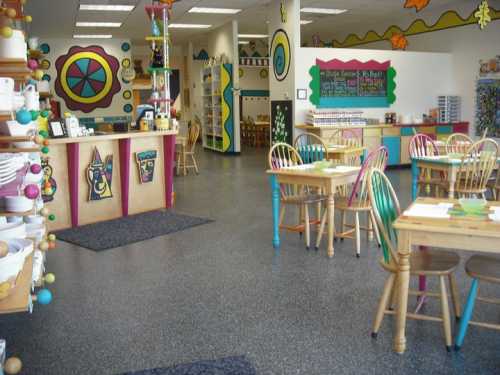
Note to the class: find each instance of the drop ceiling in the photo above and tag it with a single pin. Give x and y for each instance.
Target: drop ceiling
(56, 18)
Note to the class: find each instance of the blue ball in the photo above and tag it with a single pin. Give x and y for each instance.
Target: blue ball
(44, 297)
(23, 117)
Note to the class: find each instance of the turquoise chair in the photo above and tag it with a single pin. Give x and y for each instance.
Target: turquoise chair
(429, 263)
(480, 268)
(311, 148)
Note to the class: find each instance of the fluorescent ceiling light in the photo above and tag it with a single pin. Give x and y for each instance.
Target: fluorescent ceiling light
(305, 22)
(243, 42)
(323, 10)
(252, 36)
(188, 26)
(92, 36)
(214, 10)
(104, 7)
(98, 24)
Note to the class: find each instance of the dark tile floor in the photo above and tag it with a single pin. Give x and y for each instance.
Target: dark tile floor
(221, 290)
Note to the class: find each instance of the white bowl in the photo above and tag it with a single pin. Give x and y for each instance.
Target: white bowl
(32, 178)
(10, 231)
(15, 129)
(13, 262)
(15, 219)
(34, 219)
(27, 144)
(18, 203)
(35, 231)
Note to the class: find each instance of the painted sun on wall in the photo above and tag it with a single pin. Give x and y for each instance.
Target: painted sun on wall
(87, 78)
(99, 177)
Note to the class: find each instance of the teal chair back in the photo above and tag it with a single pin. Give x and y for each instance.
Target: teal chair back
(311, 148)
(386, 209)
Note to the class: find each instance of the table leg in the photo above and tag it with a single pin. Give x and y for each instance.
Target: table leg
(331, 223)
(453, 178)
(184, 159)
(414, 179)
(275, 189)
(403, 286)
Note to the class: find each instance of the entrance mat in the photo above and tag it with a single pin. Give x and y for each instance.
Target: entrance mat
(222, 366)
(127, 230)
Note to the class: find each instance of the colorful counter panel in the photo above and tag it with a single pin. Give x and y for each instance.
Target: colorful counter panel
(395, 137)
(106, 184)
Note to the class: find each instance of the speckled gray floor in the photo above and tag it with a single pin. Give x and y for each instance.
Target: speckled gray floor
(220, 290)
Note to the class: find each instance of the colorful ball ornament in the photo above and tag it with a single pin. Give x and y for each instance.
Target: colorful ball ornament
(43, 133)
(49, 278)
(32, 64)
(13, 365)
(38, 74)
(44, 114)
(45, 150)
(38, 139)
(11, 13)
(52, 237)
(52, 245)
(31, 191)
(28, 19)
(35, 168)
(43, 246)
(34, 115)
(44, 297)
(23, 117)
(6, 32)
(44, 211)
(52, 217)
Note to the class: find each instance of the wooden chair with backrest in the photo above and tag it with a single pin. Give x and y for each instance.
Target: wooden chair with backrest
(282, 155)
(422, 145)
(476, 169)
(357, 201)
(188, 152)
(311, 148)
(349, 139)
(458, 143)
(427, 262)
(485, 269)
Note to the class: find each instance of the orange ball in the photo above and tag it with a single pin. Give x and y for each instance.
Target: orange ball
(52, 245)
(46, 142)
(13, 366)
(11, 13)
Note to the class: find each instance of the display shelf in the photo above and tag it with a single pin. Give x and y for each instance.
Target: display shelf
(159, 70)
(19, 300)
(13, 214)
(14, 150)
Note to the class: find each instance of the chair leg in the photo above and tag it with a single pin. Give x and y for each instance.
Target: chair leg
(282, 213)
(394, 294)
(383, 303)
(307, 226)
(357, 235)
(178, 164)
(468, 309)
(342, 223)
(321, 230)
(375, 228)
(369, 226)
(455, 298)
(445, 311)
(195, 164)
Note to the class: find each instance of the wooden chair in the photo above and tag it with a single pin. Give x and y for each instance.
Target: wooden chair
(476, 168)
(189, 150)
(358, 202)
(348, 138)
(458, 143)
(283, 155)
(479, 268)
(423, 145)
(311, 148)
(428, 263)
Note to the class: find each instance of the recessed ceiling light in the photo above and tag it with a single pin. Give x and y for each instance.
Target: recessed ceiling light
(244, 42)
(92, 36)
(305, 22)
(98, 24)
(323, 10)
(252, 36)
(214, 10)
(104, 7)
(188, 26)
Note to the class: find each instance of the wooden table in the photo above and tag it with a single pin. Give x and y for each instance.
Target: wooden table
(442, 163)
(328, 182)
(454, 233)
(342, 153)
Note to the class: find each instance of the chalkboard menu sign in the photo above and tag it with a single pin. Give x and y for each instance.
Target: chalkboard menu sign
(339, 84)
(353, 83)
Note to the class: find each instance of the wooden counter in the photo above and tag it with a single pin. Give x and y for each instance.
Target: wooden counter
(70, 159)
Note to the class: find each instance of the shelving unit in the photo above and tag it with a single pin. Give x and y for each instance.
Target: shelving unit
(217, 121)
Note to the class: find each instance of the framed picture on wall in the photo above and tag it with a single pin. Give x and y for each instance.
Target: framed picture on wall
(57, 129)
(281, 121)
(301, 94)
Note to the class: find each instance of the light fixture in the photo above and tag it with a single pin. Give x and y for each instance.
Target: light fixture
(252, 36)
(92, 36)
(305, 22)
(98, 24)
(105, 7)
(244, 42)
(188, 26)
(323, 10)
(214, 10)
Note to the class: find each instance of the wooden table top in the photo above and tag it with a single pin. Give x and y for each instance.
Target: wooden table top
(461, 225)
(345, 149)
(113, 136)
(316, 173)
(442, 159)
(19, 300)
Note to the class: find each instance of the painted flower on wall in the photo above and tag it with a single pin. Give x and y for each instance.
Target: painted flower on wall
(399, 42)
(417, 4)
(483, 14)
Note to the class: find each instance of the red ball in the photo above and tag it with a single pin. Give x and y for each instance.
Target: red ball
(52, 245)
(35, 168)
(31, 191)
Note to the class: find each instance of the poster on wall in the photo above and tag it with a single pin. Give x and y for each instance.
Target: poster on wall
(281, 54)
(99, 177)
(146, 163)
(281, 121)
(87, 78)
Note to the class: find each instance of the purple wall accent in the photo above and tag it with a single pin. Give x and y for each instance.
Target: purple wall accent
(73, 150)
(124, 145)
(168, 164)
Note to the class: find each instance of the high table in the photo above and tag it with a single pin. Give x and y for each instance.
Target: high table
(453, 233)
(326, 181)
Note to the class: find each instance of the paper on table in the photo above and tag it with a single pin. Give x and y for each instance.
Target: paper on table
(300, 167)
(340, 169)
(439, 211)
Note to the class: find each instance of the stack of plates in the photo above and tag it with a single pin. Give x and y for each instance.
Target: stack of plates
(13, 262)
(18, 203)
(10, 231)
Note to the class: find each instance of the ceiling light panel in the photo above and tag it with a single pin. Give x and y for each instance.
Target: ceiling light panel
(305, 22)
(98, 24)
(323, 10)
(92, 36)
(214, 10)
(107, 8)
(252, 36)
(188, 26)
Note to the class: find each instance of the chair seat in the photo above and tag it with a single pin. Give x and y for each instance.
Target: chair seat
(429, 263)
(484, 267)
(304, 199)
(343, 204)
